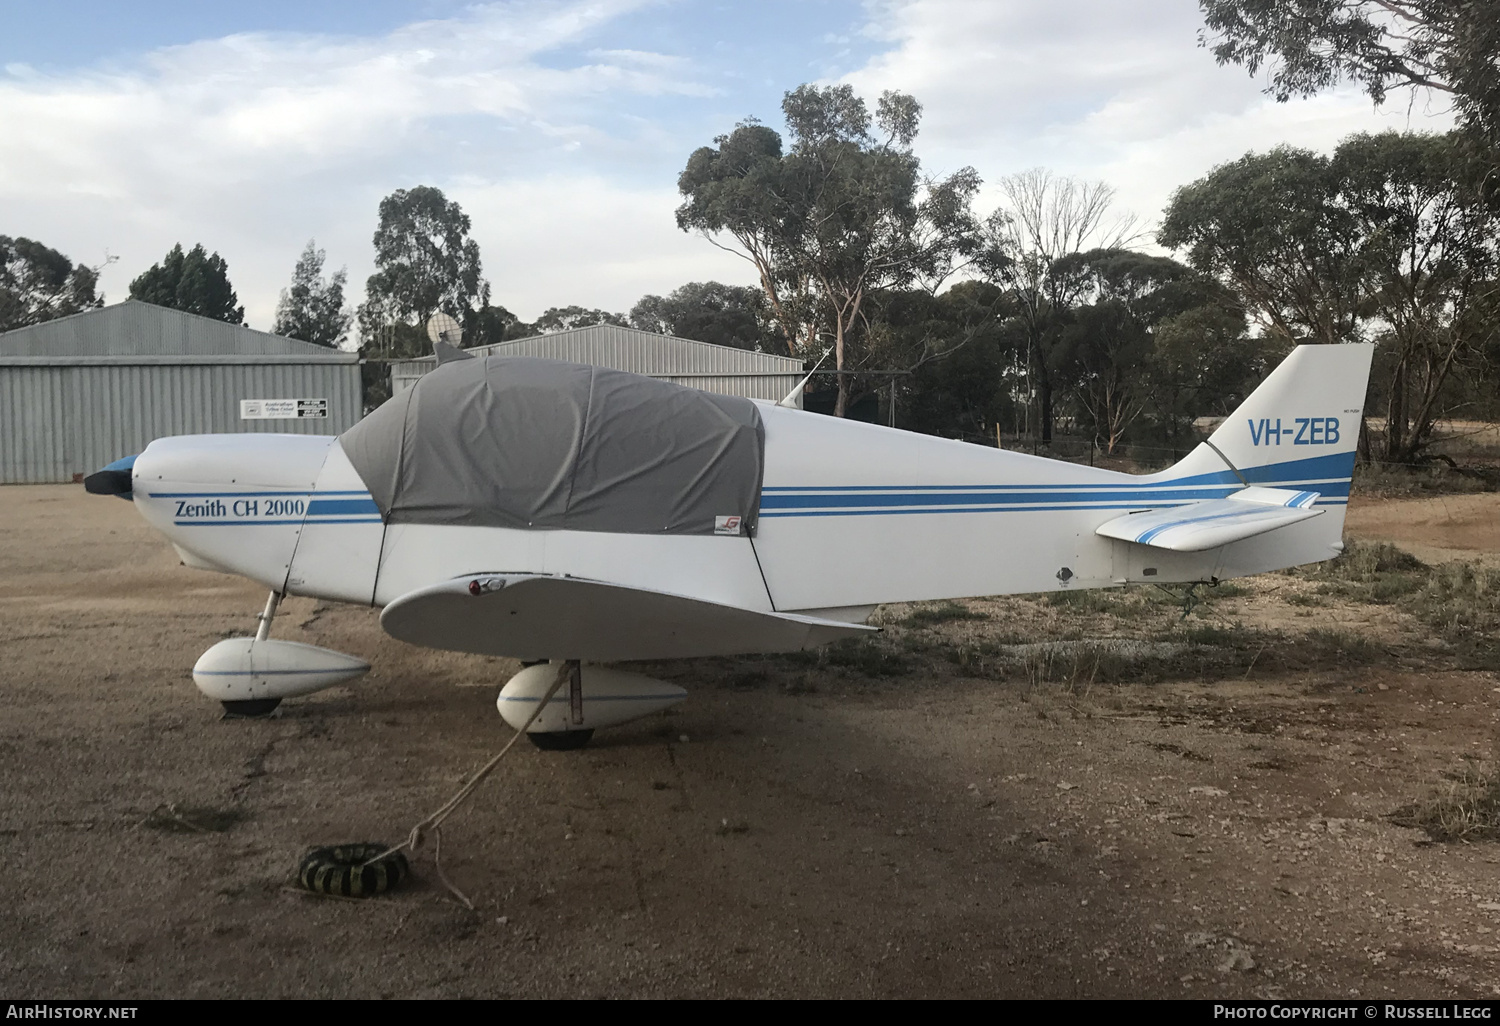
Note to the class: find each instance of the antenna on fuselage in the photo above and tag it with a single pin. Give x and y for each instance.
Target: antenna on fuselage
(792, 397)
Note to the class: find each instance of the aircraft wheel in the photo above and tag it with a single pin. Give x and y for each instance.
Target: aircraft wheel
(251, 708)
(560, 740)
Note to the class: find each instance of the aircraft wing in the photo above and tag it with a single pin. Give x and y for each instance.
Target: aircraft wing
(546, 617)
(1197, 526)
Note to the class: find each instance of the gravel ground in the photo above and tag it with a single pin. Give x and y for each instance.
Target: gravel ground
(793, 829)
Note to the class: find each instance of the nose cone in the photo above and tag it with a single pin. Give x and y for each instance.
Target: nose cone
(111, 480)
(231, 502)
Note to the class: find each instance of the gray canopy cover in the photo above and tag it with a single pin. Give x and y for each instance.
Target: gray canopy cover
(528, 443)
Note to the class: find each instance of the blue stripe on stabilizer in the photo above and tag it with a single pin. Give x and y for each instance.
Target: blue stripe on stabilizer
(1145, 539)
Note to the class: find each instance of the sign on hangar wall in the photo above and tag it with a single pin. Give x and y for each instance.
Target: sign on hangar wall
(283, 409)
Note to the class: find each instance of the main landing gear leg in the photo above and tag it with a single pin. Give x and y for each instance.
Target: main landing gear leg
(256, 707)
(566, 740)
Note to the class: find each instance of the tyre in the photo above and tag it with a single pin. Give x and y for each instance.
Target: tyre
(250, 708)
(560, 740)
(341, 869)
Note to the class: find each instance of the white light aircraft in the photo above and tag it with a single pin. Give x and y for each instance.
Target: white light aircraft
(554, 511)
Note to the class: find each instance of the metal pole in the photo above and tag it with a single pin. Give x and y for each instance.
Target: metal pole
(264, 630)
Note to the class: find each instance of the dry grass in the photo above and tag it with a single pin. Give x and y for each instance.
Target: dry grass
(1467, 808)
(1397, 481)
(1458, 601)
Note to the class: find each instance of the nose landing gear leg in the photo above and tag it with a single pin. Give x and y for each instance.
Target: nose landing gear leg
(252, 708)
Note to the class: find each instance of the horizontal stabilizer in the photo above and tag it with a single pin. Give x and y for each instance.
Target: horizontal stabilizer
(1197, 526)
(543, 617)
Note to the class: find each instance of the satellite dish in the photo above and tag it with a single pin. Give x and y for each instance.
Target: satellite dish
(443, 328)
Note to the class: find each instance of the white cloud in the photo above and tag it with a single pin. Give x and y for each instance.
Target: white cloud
(563, 147)
(588, 241)
(1111, 89)
(254, 142)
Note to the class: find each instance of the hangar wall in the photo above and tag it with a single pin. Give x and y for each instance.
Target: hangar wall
(61, 419)
(83, 391)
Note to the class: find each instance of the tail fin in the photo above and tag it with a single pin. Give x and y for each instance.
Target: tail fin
(1298, 430)
(1300, 426)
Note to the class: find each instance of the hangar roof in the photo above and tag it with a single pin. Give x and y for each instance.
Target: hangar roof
(630, 349)
(684, 361)
(133, 329)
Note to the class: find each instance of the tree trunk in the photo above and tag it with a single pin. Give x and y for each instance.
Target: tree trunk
(1395, 413)
(841, 406)
(1045, 393)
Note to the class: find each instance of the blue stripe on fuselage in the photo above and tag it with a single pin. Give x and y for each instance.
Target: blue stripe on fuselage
(342, 507)
(1326, 475)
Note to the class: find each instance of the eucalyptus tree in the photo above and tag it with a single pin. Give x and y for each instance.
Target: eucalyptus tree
(1428, 257)
(566, 318)
(195, 281)
(1448, 49)
(1111, 357)
(1383, 241)
(1044, 219)
(842, 214)
(1268, 227)
(425, 263)
(37, 283)
(312, 308)
(726, 315)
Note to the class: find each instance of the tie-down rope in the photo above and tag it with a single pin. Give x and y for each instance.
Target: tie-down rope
(434, 822)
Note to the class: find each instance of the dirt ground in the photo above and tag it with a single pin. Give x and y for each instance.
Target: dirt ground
(907, 821)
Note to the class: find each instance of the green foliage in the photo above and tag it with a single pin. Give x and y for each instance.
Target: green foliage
(38, 284)
(1373, 572)
(1106, 352)
(1458, 601)
(1452, 46)
(838, 217)
(1312, 45)
(566, 318)
(1461, 601)
(425, 264)
(724, 315)
(942, 612)
(312, 308)
(1264, 227)
(495, 324)
(959, 352)
(194, 281)
(1385, 240)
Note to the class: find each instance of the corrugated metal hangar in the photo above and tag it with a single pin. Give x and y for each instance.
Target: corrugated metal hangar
(701, 365)
(82, 391)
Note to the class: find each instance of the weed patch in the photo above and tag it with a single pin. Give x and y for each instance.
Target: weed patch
(942, 612)
(1391, 481)
(1467, 809)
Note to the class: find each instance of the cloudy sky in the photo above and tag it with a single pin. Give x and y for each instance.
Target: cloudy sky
(561, 125)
